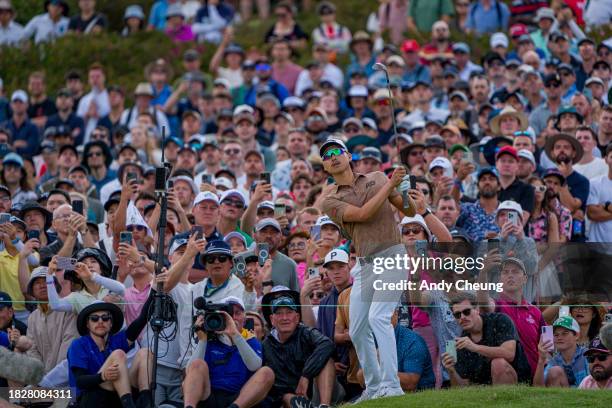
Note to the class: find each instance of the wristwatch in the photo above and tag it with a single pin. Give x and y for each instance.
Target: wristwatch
(426, 213)
(267, 283)
(606, 205)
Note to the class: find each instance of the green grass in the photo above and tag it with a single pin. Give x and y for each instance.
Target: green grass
(498, 397)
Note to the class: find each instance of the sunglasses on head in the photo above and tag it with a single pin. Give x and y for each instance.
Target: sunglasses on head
(210, 259)
(96, 318)
(465, 312)
(597, 357)
(337, 151)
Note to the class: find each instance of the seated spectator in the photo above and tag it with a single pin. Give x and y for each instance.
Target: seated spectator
(286, 27)
(488, 350)
(88, 21)
(237, 380)
(98, 363)
(11, 32)
(13, 177)
(24, 132)
(600, 367)
(65, 116)
(562, 363)
(487, 16)
(335, 36)
(423, 14)
(212, 19)
(176, 28)
(50, 25)
(550, 221)
(133, 19)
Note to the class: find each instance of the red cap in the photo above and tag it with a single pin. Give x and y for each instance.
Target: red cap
(507, 150)
(411, 46)
(516, 30)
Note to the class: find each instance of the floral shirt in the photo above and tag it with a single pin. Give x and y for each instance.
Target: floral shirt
(537, 227)
(475, 221)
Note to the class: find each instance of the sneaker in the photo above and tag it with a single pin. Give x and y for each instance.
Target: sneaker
(363, 397)
(393, 392)
(301, 402)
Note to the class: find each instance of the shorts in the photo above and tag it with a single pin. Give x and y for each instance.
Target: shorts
(219, 399)
(99, 397)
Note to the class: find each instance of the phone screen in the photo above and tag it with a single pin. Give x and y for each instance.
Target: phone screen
(265, 177)
(280, 210)
(77, 206)
(126, 237)
(249, 324)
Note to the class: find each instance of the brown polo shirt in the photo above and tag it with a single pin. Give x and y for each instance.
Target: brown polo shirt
(381, 230)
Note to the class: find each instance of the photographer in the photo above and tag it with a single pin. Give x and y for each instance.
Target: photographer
(237, 379)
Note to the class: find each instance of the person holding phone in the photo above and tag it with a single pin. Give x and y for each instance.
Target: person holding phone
(561, 363)
(363, 206)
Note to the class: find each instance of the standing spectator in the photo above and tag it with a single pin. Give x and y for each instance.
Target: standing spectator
(133, 20)
(539, 116)
(88, 21)
(440, 46)
(599, 209)
(422, 14)
(233, 55)
(550, 221)
(176, 28)
(95, 104)
(212, 19)
(598, 14)
(50, 25)
(414, 71)
(589, 166)
(24, 132)
(66, 117)
(545, 18)
(157, 15)
(459, 22)
(478, 219)
(286, 27)
(392, 17)
(335, 36)
(284, 71)
(10, 31)
(487, 16)
(362, 58)
(284, 273)
(41, 106)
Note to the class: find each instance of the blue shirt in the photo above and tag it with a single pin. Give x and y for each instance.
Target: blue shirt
(160, 98)
(4, 340)
(355, 67)
(84, 353)
(475, 221)
(227, 370)
(157, 18)
(579, 186)
(488, 21)
(419, 73)
(110, 176)
(73, 122)
(413, 357)
(578, 368)
(28, 132)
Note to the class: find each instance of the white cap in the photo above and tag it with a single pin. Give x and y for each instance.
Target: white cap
(240, 109)
(206, 196)
(234, 193)
(176, 244)
(187, 180)
(510, 205)
(358, 90)
(440, 162)
(594, 80)
(20, 95)
(235, 234)
(233, 300)
(331, 141)
(224, 182)
(223, 82)
(267, 222)
(336, 255)
(417, 219)
(526, 154)
(266, 204)
(499, 39)
(325, 220)
(369, 122)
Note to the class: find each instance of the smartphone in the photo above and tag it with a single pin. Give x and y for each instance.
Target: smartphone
(125, 237)
(265, 176)
(132, 176)
(313, 272)
(451, 349)
(493, 243)
(413, 184)
(207, 179)
(170, 184)
(315, 232)
(513, 217)
(280, 210)
(67, 264)
(33, 234)
(198, 230)
(240, 266)
(4, 218)
(249, 324)
(263, 253)
(77, 206)
(468, 156)
(547, 334)
(421, 247)
(564, 311)
(449, 172)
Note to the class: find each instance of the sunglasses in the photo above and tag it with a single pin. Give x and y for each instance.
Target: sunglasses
(566, 73)
(231, 152)
(465, 312)
(96, 318)
(235, 204)
(597, 357)
(383, 102)
(319, 295)
(416, 153)
(413, 231)
(136, 228)
(97, 135)
(351, 129)
(540, 189)
(94, 154)
(332, 153)
(213, 258)
(555, 85)
(297, 245)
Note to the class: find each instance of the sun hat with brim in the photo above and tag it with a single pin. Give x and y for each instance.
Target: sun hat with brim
(417, 219)
(405, 152)
(34, 206)
(361, 36)
(508, 111)
(550, 144)
(106, 265)
(565, 110)
(276, 293)
(40, 272)
(567, 322)
(113, 309)
(491, 147)
(360, 140)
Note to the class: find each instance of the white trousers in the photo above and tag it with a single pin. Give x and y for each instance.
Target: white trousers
(370, 315)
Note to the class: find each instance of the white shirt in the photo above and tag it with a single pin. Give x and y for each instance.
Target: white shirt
(132, 120)
(108, 189)
(594, 169)
(433, 114)
(233, 76)
(11, 34)
(599, 193)
(100, 98)
(467, 71)
(331, 73)
(45, 29)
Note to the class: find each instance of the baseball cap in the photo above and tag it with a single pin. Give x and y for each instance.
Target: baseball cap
(331, 142)
(435, 141)
(293, 102)
(267, 222)
(13, 158)
(568, 323)
(187, 180)
(19, 95)
(461, 47)
(217, 246)
(325, 220)
(516, 261)
(417, 219)
(498, 40)
(336, 255)
(224, 182)
(176, 244)
(440, 162)
(235, 234)
(204, 196)
(358, 91)
(516, 30)
(410, 46)
(369, 122)
(507, 150)
(550, 78)
(266, 204)
(233, 193)
(511, 206)
(284, 301)
(354, 121)
(594, 80)
(372, 153)
(233, 300)
(5, 300)
(526, 154)
(596, 346)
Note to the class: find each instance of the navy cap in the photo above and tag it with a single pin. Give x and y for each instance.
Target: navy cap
(174, 140)
(284, 301)
(487, 170)
(372, 153)
(5, 300)
(217, 246)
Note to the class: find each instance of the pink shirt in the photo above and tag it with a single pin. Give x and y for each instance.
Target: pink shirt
(420, 318)
(528, 321)
(590, 384)
(287, 76)
(134, 300)
(182, 34)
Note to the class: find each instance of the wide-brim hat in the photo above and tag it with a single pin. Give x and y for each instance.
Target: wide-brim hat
(489, 150)
(34, 206)
(405, 152)
(361, 36)
(550, 143)
(508, 111)
(276, 292)
(106, 266)
(360, 140)
(112, 308)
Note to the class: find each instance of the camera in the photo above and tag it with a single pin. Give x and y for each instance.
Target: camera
(214, 320)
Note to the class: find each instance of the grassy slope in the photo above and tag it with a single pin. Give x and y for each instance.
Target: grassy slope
(498, 397)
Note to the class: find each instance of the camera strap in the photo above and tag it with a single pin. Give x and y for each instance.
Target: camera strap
(210, 290)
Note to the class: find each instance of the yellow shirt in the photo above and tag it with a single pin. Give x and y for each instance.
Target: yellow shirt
(9, 279)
